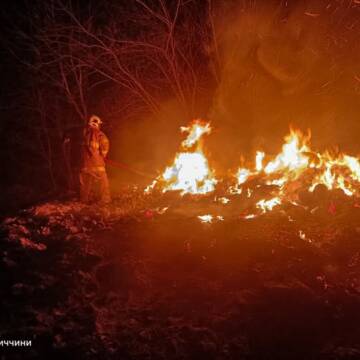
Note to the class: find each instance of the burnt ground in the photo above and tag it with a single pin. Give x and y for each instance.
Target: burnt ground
(127, 282)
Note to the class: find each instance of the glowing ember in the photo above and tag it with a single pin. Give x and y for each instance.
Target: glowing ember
(268, 205)
(303, 236)
(209, 218)
(205, 218)
(223, 200)
(150, 187)
(250, 216)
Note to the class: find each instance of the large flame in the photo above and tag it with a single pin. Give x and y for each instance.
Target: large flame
(338, 172)
(190, 172)
(298, 162)
(292, 159)
(296, 167)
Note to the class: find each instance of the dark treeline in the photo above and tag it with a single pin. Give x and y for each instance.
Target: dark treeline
(64, 60)
(148, 66)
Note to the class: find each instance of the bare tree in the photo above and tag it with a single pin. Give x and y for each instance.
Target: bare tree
(154, 53)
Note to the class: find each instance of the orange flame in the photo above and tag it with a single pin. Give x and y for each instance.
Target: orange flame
(296, 166)
(296, 160)
(190, 172)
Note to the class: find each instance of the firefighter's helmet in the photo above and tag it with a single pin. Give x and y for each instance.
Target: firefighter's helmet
(95, 121)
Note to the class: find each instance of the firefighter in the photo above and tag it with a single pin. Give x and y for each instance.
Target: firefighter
(95, 146)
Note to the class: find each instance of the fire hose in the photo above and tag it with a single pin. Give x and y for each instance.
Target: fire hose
(119, 165)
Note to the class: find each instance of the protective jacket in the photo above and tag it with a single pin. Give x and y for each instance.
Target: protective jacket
(93, 177)
(95, 147)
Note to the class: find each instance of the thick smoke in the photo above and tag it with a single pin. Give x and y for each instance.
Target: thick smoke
(149, 143)
(282, 63)
(273, 64)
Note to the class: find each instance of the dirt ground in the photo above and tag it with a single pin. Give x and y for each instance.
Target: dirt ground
(107, 283)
